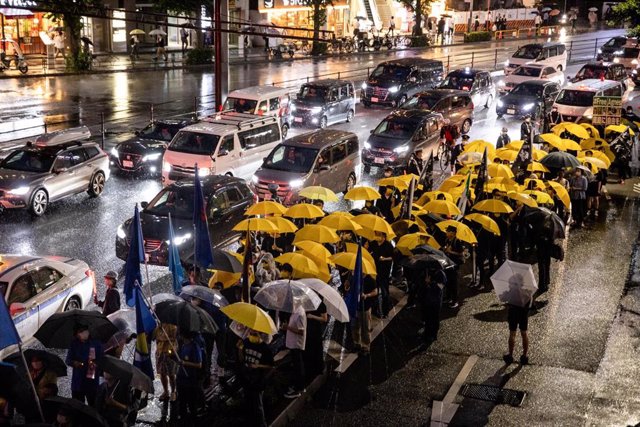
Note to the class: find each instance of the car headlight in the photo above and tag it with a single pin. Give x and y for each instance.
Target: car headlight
(204, 172)
(588, 113)
(316, 110)
(618, 52)
(254, 179)
(499, 103)
(506, 63)
(115, 153)
(293, 107)
(402, 149)
(501, 83)
(179, 239)
(634, 62)
(616, 60)
(166, 166)
(151, 157)
(120, 232)
(20, 191)
(364, 85)
(296, 183)
(599, 50)
(527, 107)
(394, 89)
(367, 146)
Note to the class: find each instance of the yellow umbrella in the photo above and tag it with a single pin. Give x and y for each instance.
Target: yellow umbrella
(551, 139)
(594, 162)
(374, 223)
(393, 181)
(408, 242)
(317, 192)
(342, 213)
(588, 126)
(487, 223)
(538, 154)
(314, 248)
(597, 154)
(433, 195)
(499, 170)
(348, 261)
(506, 154)
(283, 224)
(515, 145)
(416, 209)
(463, 232)
(538, 183)
(470, 157)
(401, 227)
(227, 279)
(540, 196)
(592, 143)
(570, 144)
(523, 198)
(470, 168)
(304, 210)
(256, 224)
(251, 316)
(478, 146)
(572, 128)
(362, 193)
(340, 222)
(302, 265)
(492, 205)
(457, 192)
(618, 129)
(442, 207)
(496, 186)
(353, 248)
(561, 191)
(536, 167)
(316, 233)
(266, 207)
(407, 177)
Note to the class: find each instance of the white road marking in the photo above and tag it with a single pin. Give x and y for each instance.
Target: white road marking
(443, 411)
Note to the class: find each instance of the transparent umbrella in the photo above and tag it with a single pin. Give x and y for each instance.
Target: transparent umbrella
(514, 283)
(209, 295)
(287, 295)
(336, 307)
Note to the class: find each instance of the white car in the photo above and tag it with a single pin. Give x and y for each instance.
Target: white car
(531, 72)
(629, 56)
(37, 287)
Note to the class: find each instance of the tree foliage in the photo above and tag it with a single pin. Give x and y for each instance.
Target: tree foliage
(319, 18)
(420, 8)
(183, 6)
(628, 11)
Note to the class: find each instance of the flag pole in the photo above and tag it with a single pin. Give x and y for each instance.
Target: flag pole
(33, 387)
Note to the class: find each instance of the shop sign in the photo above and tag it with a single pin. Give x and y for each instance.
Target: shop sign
(278, 4)
(17, 3)
(606, 110)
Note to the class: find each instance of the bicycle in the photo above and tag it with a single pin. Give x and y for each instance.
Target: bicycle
(444, 154)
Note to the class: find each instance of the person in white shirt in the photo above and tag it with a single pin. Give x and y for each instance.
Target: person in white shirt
(392, 26)
(58, 44)
(295, 341)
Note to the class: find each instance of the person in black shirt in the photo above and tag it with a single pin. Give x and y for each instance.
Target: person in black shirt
(256, 365)
(453, 248)
(111, 302)
(360, 325)
(503, 139)
(313, 352)
(385, 203)
(430, 297)
(382, 252)
(518, 318)
(415, 163)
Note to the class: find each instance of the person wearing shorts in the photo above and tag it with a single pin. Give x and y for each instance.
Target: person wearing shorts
(166, 346)
(518, 318)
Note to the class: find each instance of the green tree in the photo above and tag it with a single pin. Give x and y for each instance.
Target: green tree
(319, 18)
(70, 12)
(627, 12)
(186, 7)
(419, 8)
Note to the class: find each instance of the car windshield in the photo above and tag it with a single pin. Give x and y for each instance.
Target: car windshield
(395, 128)
(458, 82)
(29, 161)
(528, 52)
(312, 93)
(422, 102)
(527, 71)
(578, 98)
(240, 105)
(291, 159)
(615, 42)
(194, 143)
(527, 90)
(157, 131)
(591, 72)
(178, 203)
(630, 52)
(393, 72)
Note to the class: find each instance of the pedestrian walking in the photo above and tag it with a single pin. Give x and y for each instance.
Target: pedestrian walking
(517, 318)
(160, 50)
(593, 19)
(392, 26)
(59, 44)
(111, 302)
(488, 21)
(573, 17)
(83, 355)
(476, 24)
(537, 22)
(503, 139)
(134, 42)
(295, 341)
(184, 38)
(441, 26)
(189, 377)
(361, 325)
(382, 251)
(166, 345)
(578, 194)
(256, 361)
(430, 299)
(526, 128)
(454, 250)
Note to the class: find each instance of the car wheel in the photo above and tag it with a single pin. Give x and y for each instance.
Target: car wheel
(466, 126)
(350, 115)
(559, 68)
(96, 186)
(489, 102)
(285, 131)
(73, 304)
(39, 203)
(323, 122)
(351, 182)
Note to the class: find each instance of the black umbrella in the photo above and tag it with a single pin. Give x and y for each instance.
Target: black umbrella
(429, 261)
(222, 260)
(545, 221)
(186, 316)
(559, 160)
(51, 361)
(86, 40)
(81, 414)
(57, 330)
(15, 386)
(127, 373)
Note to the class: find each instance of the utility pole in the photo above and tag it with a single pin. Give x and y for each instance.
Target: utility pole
(470, 15)
(221, 51)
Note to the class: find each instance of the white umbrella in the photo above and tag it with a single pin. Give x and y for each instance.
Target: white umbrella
(336, 306)
(157, 32)
(287, 295)
(514, 283)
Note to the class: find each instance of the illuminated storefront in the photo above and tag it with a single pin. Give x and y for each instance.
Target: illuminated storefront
(294, 13)
(22, 25)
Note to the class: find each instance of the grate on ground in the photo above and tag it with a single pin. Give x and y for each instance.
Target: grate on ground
(495, 394)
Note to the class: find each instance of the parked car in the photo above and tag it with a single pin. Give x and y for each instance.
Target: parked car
(533, 97)
(226, 200)
(399, 135)
(552, 54)
(602, 71)
(53, 167)
(605, 53)
(36, 287)
(262, 101)
(479, 84)
(329, 158)
(143, 153)
(628, 56)
(531, 72)
(454, 105)
(575, 102)
(324, 102)
(393, 82)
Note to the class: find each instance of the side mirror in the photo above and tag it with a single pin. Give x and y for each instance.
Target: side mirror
(222, 153)
(371, 131)
(16, 308)
(144, 205)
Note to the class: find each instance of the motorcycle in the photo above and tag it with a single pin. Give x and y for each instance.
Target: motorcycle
(281, 49)
(17, 57)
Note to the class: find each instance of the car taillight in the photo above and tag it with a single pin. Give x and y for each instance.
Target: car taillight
(472, 106)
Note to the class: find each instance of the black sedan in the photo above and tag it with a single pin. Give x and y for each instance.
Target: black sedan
(143, 152)
(226, 199)
(533, 97)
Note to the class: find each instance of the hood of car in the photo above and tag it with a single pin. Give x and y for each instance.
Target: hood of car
(156, 227)
(141, 146)
(385, 83)
(277, 176)
(13, 179)
(386, 142)
(308, 103)
(519, 99)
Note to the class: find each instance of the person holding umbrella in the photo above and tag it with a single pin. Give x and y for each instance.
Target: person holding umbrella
(430, 297)
(257, 364)
(517, 318)
(578, 191)
(113, 400)
(82, 356)
(41, 375)
(111, 302)
(453, 248)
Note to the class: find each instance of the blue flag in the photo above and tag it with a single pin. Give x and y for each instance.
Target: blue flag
(134, 258)
(203, 255)
(352, 298)
(175, 267)
(145, 324)
(9, 335)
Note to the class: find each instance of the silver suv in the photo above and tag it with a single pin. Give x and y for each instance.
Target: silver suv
(53, 167)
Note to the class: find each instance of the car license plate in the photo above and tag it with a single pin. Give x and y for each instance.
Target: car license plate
(374, 99)
(511, 111)
(127, 163)
(378, 160)
(298, 119)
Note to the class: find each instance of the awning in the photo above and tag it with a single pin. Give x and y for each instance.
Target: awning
(13, 13)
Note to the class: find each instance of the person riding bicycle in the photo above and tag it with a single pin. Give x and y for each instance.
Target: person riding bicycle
(449, 134)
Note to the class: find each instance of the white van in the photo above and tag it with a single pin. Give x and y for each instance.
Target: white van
(550, 54)
(228, 143)
(262, 101)
(575, 102)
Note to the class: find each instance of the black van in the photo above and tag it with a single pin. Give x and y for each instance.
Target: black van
(393, 82)
(324, 102)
